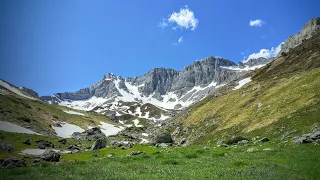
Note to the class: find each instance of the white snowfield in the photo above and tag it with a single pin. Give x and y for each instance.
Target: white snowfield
(10, 127)
(73, 112)
(109, 129)
(67, 130)
(14, 90)
(242, 83)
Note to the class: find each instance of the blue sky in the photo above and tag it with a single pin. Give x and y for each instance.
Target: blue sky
(59, 46)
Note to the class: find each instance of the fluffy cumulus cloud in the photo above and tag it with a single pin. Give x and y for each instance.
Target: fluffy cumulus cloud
(256, 23)
(266, 53)
(185, 18)
(180, 40)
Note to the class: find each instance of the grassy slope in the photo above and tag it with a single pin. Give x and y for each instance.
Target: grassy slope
(16, 140)
(284, 162)
(13, 109)
(287, 91)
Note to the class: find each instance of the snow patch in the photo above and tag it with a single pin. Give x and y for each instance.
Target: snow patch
(242, 83)
(67, 130)
(9, 127)
(109, 129)
(246, 68)
(73, 112)
(136, 123)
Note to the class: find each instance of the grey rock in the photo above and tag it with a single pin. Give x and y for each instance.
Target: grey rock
(315, 135)
(265, 139)
(62, 140)
(242, 142)
(42, 144)
(5, 146)
(267, 149)
(251, 150)
(89, 134)
(12, 163)
(99, 144)
(73, 147)
(311, 28)
(236, 139)
(135, 153)
(222, 141)
(302, 140)
(50, 155)
(30, 92)
(27, 142)
(206, 148)
(163, 138)
(163, 145)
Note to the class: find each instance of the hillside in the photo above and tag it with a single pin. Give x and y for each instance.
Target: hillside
(283, 98)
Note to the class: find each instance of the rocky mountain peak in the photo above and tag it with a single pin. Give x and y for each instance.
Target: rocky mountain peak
(311, 28)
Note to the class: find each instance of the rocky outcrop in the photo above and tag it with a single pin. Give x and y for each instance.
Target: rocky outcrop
(90, 134)
(158, 82)
(310, 29)
(51, 156)
(12, 163)
(5, 146)
(99, 144)
(163, 138)
(30, 92)
(43, 144)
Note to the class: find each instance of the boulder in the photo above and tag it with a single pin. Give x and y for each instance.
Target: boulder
(12, 163)
(242, 142)
(27, 142)
(42, 144)
(5, 146)
(163, 138)
(135, 153)
(251, 150)
(236, 139)
(265, 139)
(302, 140)
(90, 134)
(73, 147)
(51, 156)
(163, 145)
(315, 135)
(62, 140)
(99, 144)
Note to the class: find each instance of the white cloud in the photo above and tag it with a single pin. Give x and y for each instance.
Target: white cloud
(163, 23)
(185, 18)
(180, 40)
(256, 23)
(266, 53)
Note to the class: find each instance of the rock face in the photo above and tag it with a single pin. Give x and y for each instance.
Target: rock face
(163, 138)
(30, 92)
(167, 88)
(90, 134)
(4, 146)
(51, 156)
(311, 28)
(99, 144)
(42, 144)
(12, 163)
